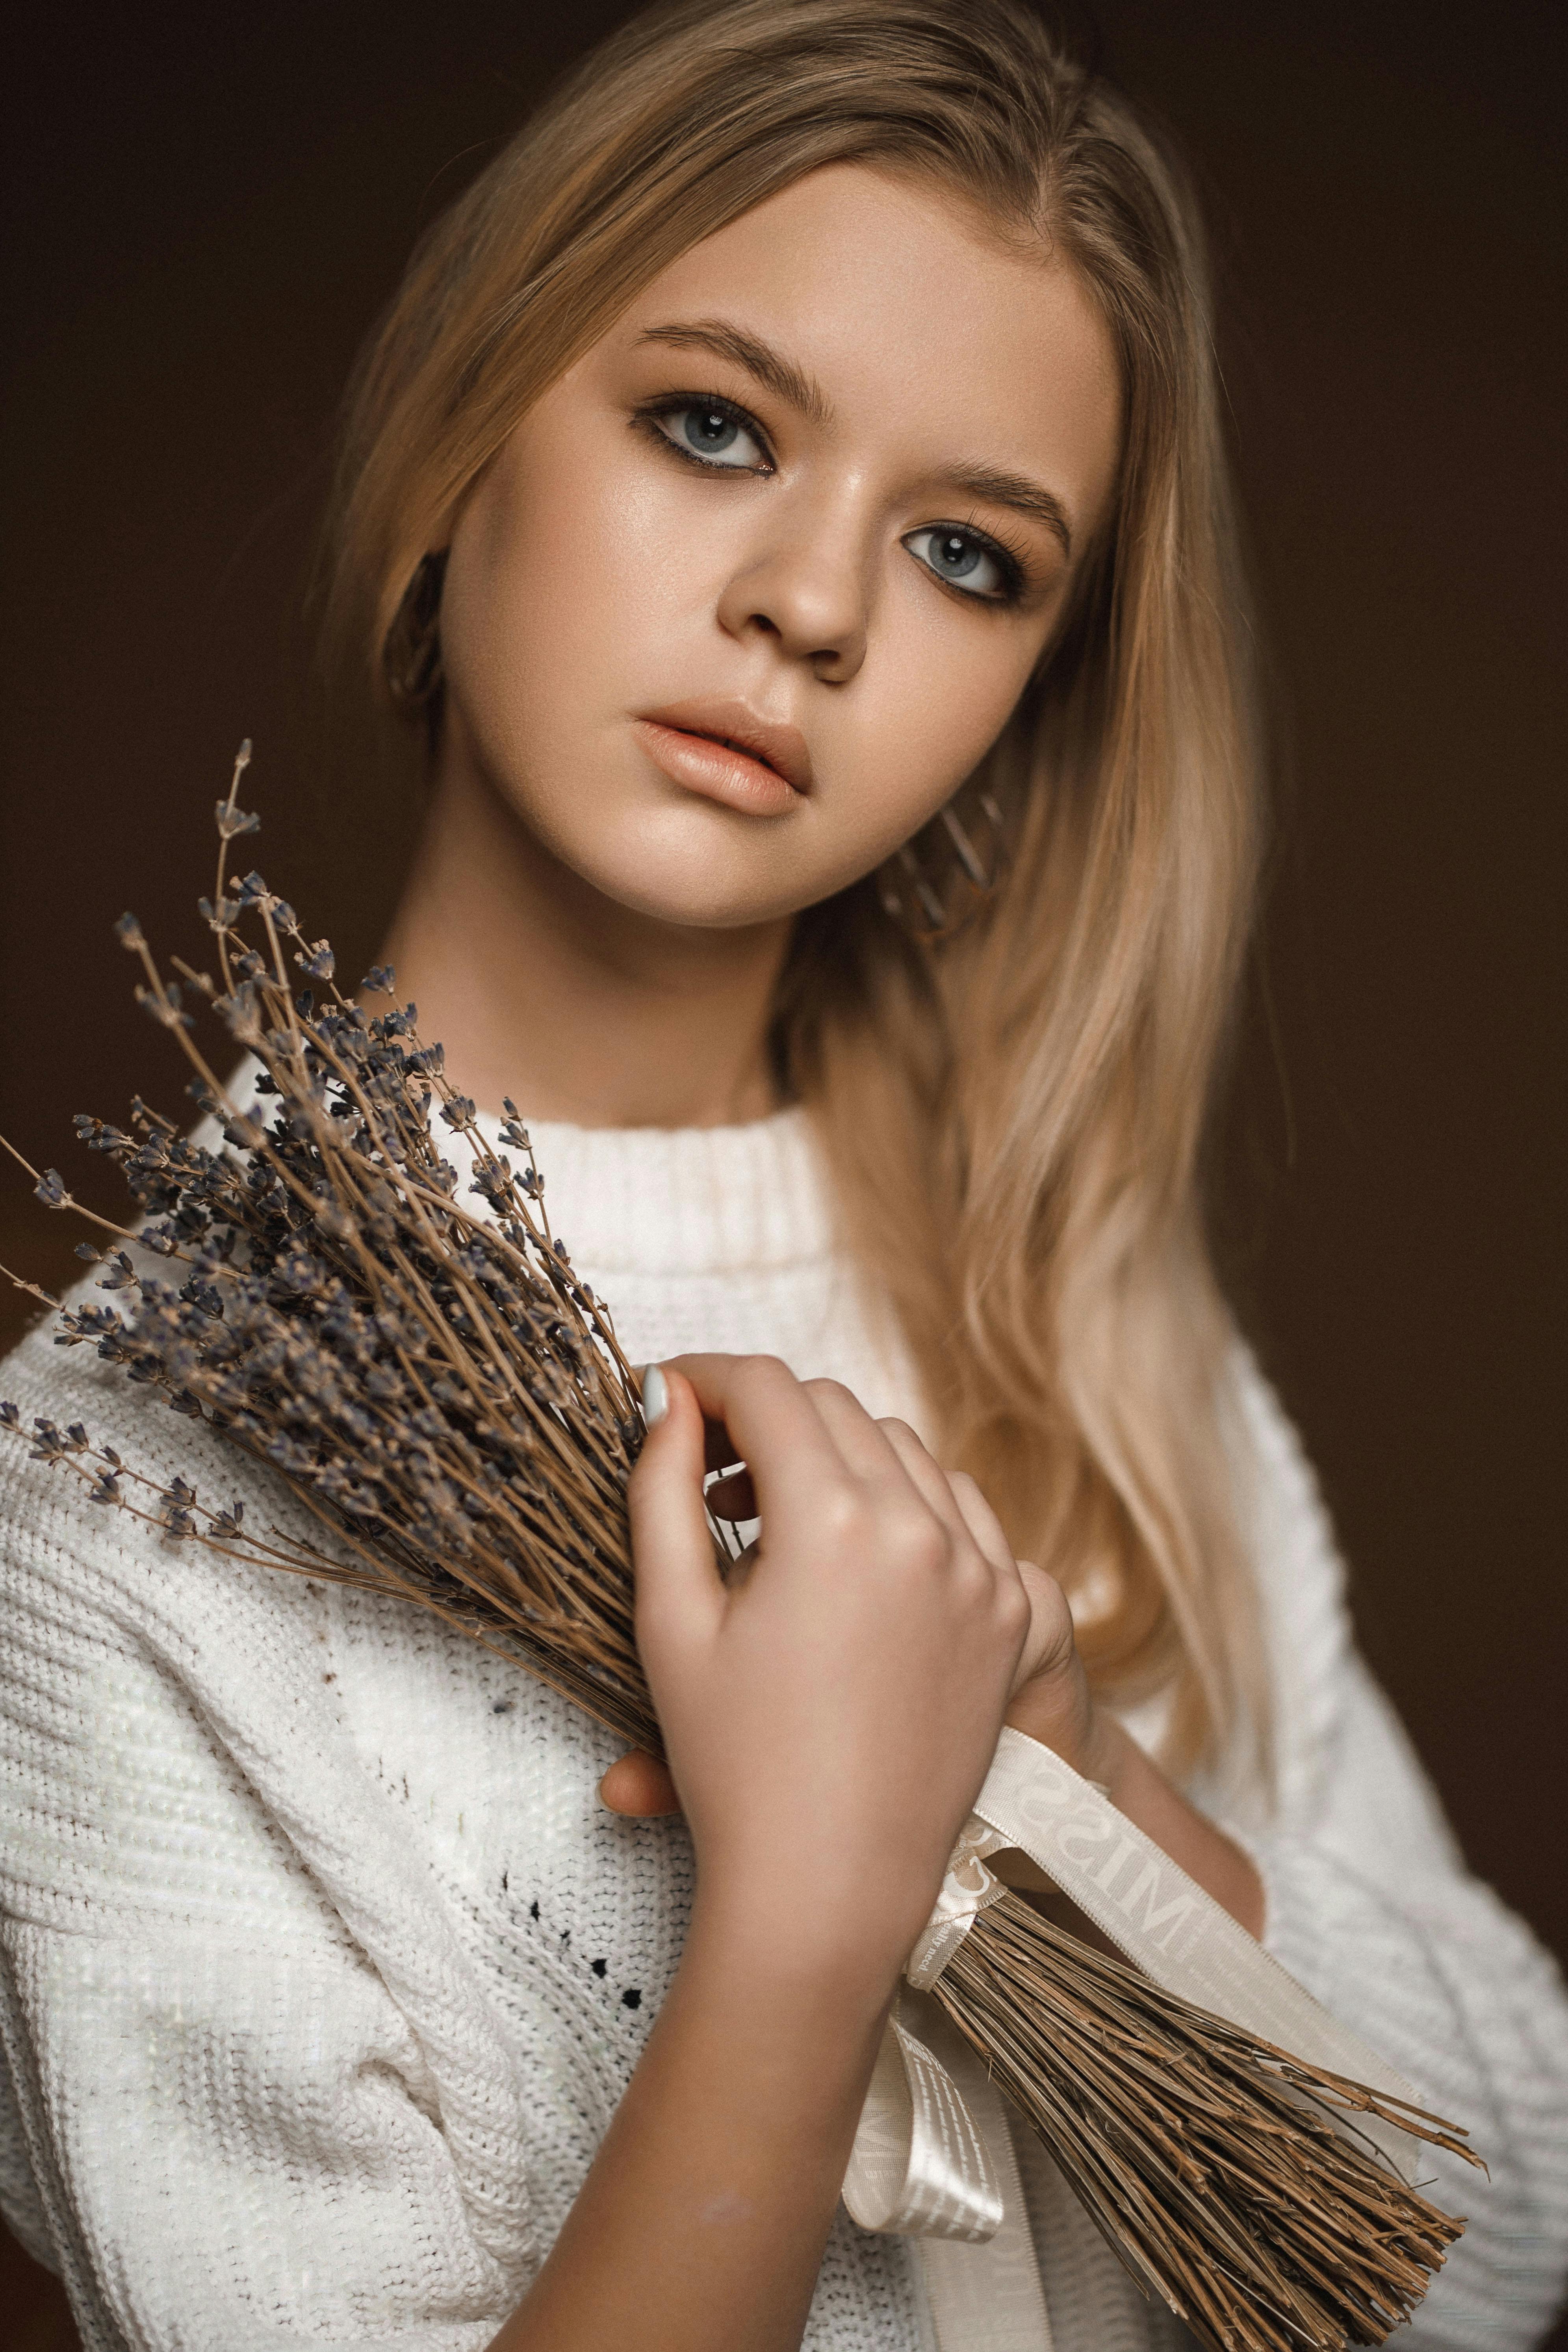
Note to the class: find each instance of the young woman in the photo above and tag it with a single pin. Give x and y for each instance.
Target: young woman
(786, 500)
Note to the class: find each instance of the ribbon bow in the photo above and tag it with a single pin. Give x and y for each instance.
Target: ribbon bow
(920, 2165)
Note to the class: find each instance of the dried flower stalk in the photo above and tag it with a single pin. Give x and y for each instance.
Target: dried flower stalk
(1190, 2143)
(429, 1378)
(446, 1397)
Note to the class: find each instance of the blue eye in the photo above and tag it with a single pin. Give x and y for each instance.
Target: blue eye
(959, 557)
(709, 430)
(715, 436)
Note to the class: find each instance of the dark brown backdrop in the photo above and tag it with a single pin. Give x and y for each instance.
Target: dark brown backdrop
(207, 208)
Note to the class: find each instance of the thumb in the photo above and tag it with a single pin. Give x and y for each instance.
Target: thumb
(1049, 1645)
(677, 1586)
(638, 1788)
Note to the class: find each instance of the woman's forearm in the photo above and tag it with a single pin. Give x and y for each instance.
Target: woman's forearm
(702, 2223)
(1139, 1788)
(828, 1720)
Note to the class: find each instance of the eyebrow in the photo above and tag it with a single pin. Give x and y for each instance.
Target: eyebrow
(770, 367)
(1016, 490)
(804, 394)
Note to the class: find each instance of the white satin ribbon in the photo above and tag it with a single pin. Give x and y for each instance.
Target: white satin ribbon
(988, 2293)
(968, 1889)
(921, 2166)
(933, 2157)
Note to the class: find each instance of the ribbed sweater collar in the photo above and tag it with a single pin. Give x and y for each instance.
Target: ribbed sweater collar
(684, 1200)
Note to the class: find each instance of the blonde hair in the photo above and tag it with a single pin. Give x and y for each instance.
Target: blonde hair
(1014, 1117)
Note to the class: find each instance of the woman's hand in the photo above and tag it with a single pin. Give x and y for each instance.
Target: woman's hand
(830, 1713)
(1050, 1697)
(1051, 1701)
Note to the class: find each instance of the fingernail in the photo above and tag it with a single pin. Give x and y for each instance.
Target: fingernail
(655, 1396)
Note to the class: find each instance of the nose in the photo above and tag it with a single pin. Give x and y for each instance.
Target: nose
(806, 584)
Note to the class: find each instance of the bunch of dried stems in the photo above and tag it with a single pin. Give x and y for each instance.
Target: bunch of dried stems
(1207, 2158)
(446, 1397)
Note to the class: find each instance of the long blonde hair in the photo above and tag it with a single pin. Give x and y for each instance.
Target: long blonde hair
(1013, 1117)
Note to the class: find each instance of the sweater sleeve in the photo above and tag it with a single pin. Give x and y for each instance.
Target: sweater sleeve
(1371, 1907)
(250, 2096)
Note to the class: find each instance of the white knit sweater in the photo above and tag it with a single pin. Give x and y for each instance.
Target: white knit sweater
(323, 1969)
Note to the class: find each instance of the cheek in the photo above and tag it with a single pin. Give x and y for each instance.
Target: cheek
(531, 591)
(570, 584)
(939, 689)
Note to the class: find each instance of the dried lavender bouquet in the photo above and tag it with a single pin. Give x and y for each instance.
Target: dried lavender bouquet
(446, 1396)
(427, 1376)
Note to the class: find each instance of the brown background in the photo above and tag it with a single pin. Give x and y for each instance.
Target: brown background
(208, 208)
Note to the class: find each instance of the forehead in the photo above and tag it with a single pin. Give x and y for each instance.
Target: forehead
(918, 320)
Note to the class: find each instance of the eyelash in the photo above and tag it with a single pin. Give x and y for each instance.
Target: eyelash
(1010, 561)
(672, 404)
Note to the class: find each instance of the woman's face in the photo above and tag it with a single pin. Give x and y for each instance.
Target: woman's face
(750, 591)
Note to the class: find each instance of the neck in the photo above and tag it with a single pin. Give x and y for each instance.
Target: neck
(542, 988)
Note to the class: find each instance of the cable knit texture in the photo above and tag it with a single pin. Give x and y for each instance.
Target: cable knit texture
(323, 1969)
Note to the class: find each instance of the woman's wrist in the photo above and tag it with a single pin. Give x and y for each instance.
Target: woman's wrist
(829, 1955)
(1056, 1709)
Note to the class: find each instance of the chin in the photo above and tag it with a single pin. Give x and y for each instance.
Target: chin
(693, 900)
(685, 869)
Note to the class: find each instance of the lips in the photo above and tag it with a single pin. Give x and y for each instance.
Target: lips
(724, 751)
